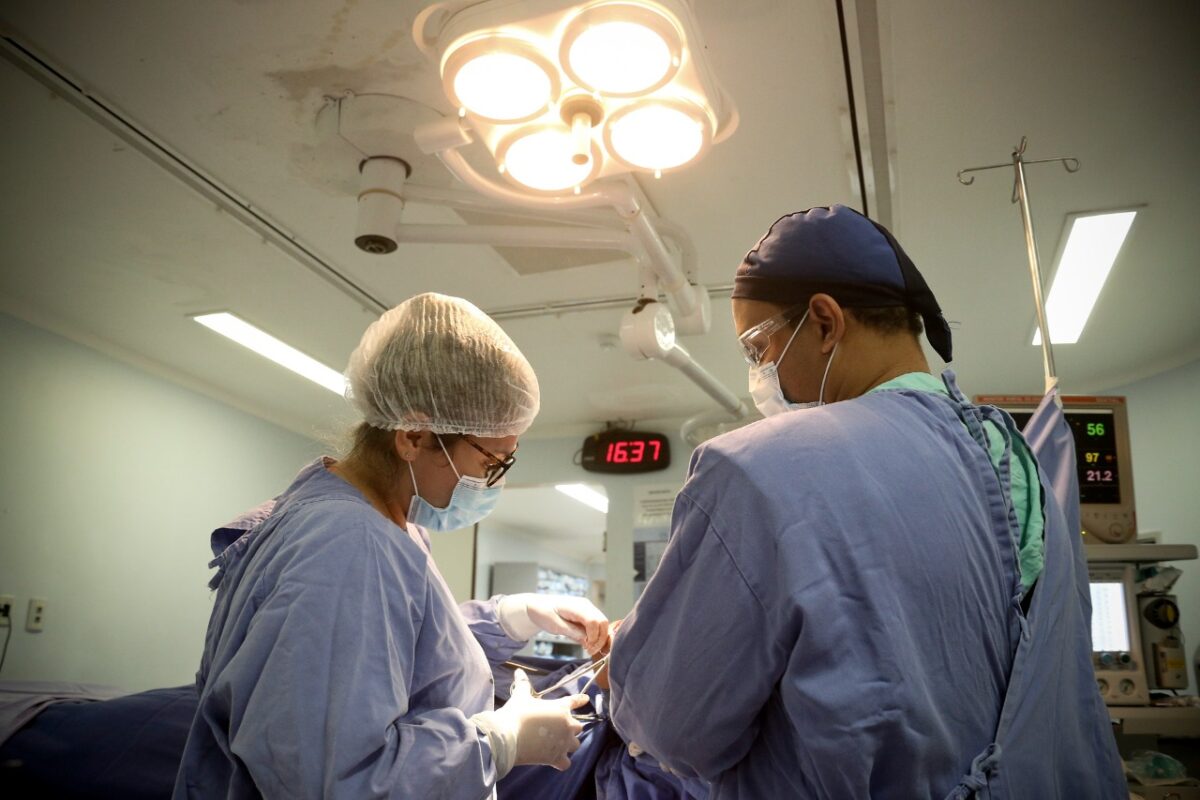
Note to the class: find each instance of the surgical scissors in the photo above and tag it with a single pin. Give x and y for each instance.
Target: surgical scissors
(575, 674)
(531, 670)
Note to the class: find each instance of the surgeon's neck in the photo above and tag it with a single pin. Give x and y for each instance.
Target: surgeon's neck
(871, 359)
(390, 504)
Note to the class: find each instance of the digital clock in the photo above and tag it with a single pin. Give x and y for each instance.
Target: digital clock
(626, 452)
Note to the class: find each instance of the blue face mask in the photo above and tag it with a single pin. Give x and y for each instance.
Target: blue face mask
(471, 501)
(768, 394)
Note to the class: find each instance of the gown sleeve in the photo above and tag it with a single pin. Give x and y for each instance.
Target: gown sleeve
(483, 620)
(695, 662)
(319, 698)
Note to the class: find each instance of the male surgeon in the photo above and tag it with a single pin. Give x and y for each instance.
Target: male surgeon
(871, 592)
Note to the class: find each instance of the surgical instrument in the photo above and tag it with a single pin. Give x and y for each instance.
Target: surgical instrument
(596, 665)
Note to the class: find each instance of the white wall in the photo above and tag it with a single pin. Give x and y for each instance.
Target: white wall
(1164, 432)
(110, 482)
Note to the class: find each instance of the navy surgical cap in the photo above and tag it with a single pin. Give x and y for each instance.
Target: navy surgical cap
(838, 251)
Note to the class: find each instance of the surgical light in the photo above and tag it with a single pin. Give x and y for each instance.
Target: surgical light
(1087, 258)
(656, 135)
(500, 79)
(544, 159)
(620, 49)
(626, 81)
(266, 345)
(585, 494)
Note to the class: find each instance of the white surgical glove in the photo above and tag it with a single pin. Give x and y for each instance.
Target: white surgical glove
(523, 615)
(526, 730)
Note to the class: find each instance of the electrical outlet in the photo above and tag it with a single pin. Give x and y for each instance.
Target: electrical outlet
(6, 606)
(37, 614)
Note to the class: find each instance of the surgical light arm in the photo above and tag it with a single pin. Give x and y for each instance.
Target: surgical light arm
(645, 336)
(444, 137)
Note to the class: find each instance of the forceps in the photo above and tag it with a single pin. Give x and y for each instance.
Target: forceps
(596, 665)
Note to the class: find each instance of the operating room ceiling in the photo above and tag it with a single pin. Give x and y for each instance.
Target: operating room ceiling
(102, 244)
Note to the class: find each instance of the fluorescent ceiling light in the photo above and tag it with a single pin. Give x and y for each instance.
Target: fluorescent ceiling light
(584, 494)
(268, 346)
(1092, 246)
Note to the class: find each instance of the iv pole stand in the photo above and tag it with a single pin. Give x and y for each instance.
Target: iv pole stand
(1021, 195)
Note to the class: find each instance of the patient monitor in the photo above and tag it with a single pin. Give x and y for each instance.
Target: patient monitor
(1116, 636)
(1100, 427)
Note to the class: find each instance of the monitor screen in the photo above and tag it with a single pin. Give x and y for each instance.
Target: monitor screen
(1110, 627)
(1096, 461)
(1096, 454)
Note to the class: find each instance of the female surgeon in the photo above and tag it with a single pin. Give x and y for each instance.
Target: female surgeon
(336, 663)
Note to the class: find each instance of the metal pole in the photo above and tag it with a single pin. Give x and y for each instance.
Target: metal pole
(1035, 271)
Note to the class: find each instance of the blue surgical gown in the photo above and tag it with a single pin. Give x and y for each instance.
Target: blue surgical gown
(838, 614)
(336, 663)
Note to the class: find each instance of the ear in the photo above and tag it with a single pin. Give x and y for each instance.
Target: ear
(830, 318)
(407, 444)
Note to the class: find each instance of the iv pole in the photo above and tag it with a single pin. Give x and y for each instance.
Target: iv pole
(1021, 195)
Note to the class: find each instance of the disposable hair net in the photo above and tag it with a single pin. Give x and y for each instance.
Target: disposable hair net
(438, 363)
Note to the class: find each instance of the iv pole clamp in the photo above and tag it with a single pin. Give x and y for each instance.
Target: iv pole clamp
(1021, 195)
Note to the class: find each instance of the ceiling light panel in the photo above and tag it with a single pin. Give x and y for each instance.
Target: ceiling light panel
(586, 495)
(237, 329)
(1093, 242)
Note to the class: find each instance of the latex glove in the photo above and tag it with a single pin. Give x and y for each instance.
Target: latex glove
(526, 730)
(601, 679)
(523, 615)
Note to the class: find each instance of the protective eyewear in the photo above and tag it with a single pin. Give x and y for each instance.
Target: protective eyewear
(754, 341)
(497, 466)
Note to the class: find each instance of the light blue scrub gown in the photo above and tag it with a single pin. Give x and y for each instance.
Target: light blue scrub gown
(336, 662)
(1036, 753)
(838, 615)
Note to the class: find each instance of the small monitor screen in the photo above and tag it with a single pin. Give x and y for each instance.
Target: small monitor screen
(1095, 453)
(1110, 628)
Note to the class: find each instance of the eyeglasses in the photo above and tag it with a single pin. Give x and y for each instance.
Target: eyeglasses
(754, 341)
(498, 466)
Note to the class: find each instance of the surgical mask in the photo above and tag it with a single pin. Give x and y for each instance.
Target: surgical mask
(764, 383)
(471, 501)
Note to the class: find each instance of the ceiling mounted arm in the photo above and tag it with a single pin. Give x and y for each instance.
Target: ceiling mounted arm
(444, 137)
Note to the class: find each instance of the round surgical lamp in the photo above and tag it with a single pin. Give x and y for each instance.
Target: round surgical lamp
(657, 134)
(648, 330)
(543, 158)
(621, 49)
(499, 79)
